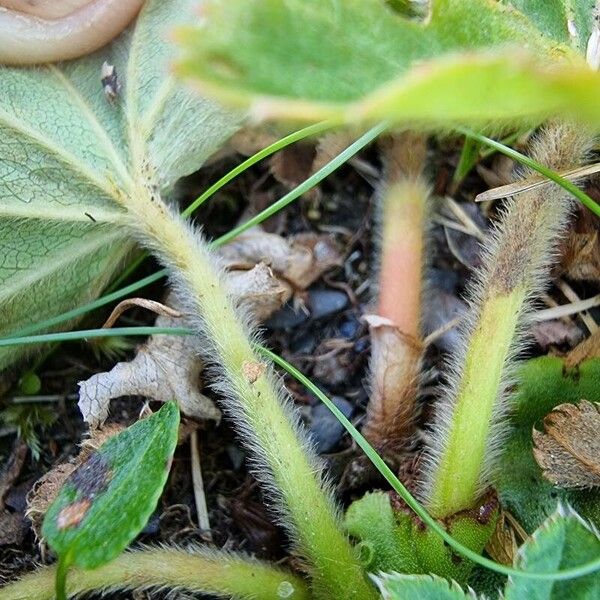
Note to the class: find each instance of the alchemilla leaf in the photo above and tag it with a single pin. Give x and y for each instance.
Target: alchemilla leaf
(67, 152)
(398, 586)
(107, 500)
(480, 62)
(562, 542)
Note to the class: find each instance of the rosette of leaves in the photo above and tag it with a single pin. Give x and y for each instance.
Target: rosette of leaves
(563, 541)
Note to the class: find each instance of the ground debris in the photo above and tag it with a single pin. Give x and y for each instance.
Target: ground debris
(166, 367)
(569, 450)
(299, 259)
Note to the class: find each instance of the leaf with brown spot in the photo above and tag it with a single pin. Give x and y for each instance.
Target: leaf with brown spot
(107, 500)
(569, 450)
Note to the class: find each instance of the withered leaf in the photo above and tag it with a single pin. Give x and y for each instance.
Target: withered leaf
(506, 539)
(589, 348)
(300, 259)
(569, 450)
(168, 367)
(165, 368)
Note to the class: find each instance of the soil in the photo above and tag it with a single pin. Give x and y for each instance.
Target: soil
(327, 340)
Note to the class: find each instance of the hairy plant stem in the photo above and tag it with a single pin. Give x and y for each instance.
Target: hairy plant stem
(211, 572)
(396, 342)
(468, 428)
(253, 397)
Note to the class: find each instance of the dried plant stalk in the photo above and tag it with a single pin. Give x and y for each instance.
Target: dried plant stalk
(396, 343)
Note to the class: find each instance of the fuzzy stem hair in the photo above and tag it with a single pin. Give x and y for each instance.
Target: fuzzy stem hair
(253, 397)
(212, 572)
(468, 428)
(396, 344)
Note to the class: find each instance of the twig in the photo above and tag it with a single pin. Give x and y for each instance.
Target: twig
(565, 310)
(155, 307)
(570, 294)
(531, 183)
(198, 484)
(434, 335)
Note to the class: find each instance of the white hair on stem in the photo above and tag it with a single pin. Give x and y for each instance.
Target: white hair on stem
(516, 262)
(281, 456)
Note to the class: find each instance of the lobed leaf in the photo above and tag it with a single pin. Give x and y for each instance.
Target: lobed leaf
(398, 586)
(107, 501)
(563, 541)
(478, 62)
(66, 153)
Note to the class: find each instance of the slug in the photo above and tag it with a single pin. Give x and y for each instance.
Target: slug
(42, 31)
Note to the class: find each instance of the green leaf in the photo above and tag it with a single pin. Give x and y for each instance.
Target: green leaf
(543, 384)
(556, 17)
(66, 153)
(107, 501)
(397, 586)
(392, 539)
(471, 62)
(563, 541)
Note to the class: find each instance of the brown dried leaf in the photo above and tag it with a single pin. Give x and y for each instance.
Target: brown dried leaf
(569, 450)
(259, 290)
(580, 249)
(506, 539)
(589, 348)
(292, 165)
(299, 259)
(250, 140)
(166, 367)
(329, 146)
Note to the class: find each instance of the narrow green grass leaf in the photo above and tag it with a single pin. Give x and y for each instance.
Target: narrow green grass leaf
(68, 336)
(562, 575)
(567, 185)
(106, 502)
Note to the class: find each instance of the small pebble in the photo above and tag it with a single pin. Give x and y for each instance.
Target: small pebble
(349, 329)
(323, 303)
(325, 430)
(287, 318)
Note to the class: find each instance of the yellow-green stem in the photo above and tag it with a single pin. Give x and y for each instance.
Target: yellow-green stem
(254, 399)
(214, 573)
(467, 432)
(458, 482)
